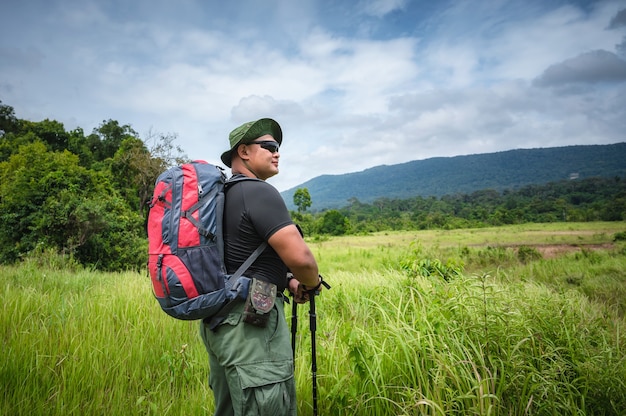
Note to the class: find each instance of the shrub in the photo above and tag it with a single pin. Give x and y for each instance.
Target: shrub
(526, 254)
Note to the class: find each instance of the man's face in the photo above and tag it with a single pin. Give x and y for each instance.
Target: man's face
(263, 156)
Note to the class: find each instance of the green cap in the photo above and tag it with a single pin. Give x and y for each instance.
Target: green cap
(249, 132)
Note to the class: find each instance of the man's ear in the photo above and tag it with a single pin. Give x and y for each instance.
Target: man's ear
(242, 151)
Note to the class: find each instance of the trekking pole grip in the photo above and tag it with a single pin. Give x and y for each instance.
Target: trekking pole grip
(316, 290)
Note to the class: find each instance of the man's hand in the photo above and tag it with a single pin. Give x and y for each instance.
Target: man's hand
(297, 290)
(300, 292)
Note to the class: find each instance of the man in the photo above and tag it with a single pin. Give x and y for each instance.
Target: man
(252, 366)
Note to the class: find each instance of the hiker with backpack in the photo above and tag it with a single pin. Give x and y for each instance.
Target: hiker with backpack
(249, 348)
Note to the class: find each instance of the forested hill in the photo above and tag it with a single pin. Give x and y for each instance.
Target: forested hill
(465, 174)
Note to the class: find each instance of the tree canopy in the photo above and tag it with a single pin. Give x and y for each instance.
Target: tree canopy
(302, 199)
(80, 196)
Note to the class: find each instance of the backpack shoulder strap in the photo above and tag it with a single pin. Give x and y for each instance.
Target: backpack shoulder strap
(256, 253)
(246, 264)
(221, 315)
(238, 178)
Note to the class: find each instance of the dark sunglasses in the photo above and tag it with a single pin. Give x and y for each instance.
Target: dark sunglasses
(268, 145)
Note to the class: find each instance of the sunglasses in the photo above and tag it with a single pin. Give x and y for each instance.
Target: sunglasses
(268, 145)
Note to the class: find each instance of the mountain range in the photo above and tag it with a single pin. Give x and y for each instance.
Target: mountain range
(440, 176)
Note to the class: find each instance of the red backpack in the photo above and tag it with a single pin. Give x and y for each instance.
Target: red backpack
(186, 249)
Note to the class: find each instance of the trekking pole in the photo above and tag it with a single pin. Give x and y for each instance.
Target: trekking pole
(313, 327)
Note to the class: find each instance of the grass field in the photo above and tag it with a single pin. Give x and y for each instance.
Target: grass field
(481, 321)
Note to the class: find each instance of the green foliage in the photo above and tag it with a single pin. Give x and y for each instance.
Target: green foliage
(594, 199)
(50, 132)
(8, 121)
(334, 223)
(108, 137)
(527, 254)
(48, 200)
(621, 236)
(420, 264)
(134, 170)
(82, 198)
(489, 257)
(306, 222)
(302, 199)
(434, 267)
(46, 258)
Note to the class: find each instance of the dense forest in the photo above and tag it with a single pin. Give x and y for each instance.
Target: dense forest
(82, 196)
(592, 199)
(85, 196)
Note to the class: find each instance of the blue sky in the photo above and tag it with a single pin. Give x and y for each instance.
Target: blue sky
(354, 84)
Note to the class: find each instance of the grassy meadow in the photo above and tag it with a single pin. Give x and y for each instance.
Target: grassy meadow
(517, 320)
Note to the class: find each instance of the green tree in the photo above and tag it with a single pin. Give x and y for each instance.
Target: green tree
(78, 144)
(334, 223)
(8, 121)
(302, 199)
(134, 172)
(107, 139)
(50, 132)
(305, 221)
(135, 167)
(47, 200)
(11, 142)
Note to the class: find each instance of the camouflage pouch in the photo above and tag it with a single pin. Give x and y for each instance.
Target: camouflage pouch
(259, 303)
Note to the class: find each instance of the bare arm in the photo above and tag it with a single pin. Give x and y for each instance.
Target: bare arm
(293, 251)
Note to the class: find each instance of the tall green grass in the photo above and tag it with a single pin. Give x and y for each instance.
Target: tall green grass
(507, 336)
(469, 346)
(88, 343)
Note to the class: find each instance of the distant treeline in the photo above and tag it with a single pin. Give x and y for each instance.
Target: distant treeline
(592, 199)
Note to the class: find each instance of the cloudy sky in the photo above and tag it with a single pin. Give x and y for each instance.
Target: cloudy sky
(354, 83)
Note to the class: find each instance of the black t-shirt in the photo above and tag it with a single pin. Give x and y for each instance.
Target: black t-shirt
(253, 212)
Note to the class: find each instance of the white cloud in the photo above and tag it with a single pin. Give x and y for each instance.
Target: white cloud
(353, 85)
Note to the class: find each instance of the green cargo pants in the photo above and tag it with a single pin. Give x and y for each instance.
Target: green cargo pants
(251, 368)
